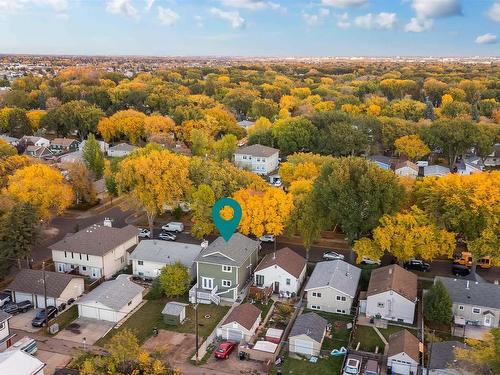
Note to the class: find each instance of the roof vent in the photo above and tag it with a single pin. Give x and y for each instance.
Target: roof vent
(390, 271)
(467, 286)
(107, 222)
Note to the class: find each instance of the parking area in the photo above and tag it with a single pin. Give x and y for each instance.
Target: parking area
(52, 360)
(470, 331)
(23, 321)
(90, 329)
(233, 362)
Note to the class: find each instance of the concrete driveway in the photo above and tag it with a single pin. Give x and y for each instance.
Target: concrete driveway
(232, 363)
(23, 321)
(52, 360)
(91, 329)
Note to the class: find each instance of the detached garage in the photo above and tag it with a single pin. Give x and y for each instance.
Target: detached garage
(306, 335)
(112, 300)
(241, 323)
(28, 286)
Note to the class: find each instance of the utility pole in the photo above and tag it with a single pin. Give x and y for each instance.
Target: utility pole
(196, 318)
(45, 294)
(430, 351)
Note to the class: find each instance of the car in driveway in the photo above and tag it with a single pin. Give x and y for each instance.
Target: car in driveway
(352, 365)
(144, 233)
(332, 255)
(224, 350)
(15, 308)
(417, 265)
(165, 236)
(267, 238)
(459, 270)
(5, 297)
(40, 318)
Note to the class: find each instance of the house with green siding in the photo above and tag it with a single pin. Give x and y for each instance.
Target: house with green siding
(223, 268)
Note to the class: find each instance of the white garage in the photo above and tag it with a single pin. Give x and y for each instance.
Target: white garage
(112, 300)
(403, 355)
(241, 323)
(60, 287)
(306, 335)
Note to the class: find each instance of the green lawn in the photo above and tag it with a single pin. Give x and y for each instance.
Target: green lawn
(149, 316)
(340, 333)
(262, 307)
(328, 366)
(393, 329)
(63, 319)
(368, 338)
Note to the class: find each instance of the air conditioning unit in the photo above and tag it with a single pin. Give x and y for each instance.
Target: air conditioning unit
(54, 328)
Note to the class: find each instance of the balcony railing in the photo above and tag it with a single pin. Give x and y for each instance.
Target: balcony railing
(204, 294)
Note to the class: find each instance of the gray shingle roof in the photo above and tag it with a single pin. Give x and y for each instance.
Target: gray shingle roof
(114, 294)
(337, 274)
(443, 355)
(257, 150)
(4, 316)
(232, 253)
(95, 240)
(123, 147)
(166, 252)
(478, 294)
(311, 325)
(30, 281)
(381, 159)
(174, 308)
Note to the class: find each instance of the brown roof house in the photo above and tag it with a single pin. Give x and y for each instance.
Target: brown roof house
(97, 251)
(257, 158)
(241, 324)
(60, 145)
(403, 355)
(406, 169)
(28, 285)
(392, 294)
(283, 271)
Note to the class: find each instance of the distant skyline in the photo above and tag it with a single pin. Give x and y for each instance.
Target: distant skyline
(251, 27)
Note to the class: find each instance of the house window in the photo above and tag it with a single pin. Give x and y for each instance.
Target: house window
(476, 310)
(140, 262)
(80, 256)
(207, 283)
(2, 325)
(122, 259)
(340, 311)
(140, 273)
(84, 268)
(340, 298)
(288, 281)
(259, 280)
(226, 283)
(460, 307)
(65, 255)
(316, 294)
(227, 269)
(315, 307)
(87, 257)
(129, 303)
(72, 255)
(244, 157)
(380, 304)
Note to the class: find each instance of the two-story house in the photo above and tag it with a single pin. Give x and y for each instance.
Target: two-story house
(257, 159)
(60, 145)
(97, 251)
(332, 286)
(32, 140)
(223, 268)
(5, 334)
(474, 303)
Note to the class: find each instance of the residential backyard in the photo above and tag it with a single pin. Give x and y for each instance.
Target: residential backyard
(369, 340)
(149, 316)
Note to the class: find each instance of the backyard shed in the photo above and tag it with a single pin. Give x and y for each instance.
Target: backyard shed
(174, 313)
(274, 335)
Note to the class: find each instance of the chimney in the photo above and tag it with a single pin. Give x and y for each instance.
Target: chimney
(274, 254)
(467, 287)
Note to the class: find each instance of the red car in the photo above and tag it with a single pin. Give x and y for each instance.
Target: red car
(225, 348)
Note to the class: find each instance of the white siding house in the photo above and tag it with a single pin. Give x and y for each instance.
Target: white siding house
(257, 159)
(406, 169)
(120, 150)
(403, 354)
(283, 271)
(97, 251)
(241, 324)
(5, 335)
(392, 294)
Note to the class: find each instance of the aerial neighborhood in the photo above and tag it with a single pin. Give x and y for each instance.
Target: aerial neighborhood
(358, 226)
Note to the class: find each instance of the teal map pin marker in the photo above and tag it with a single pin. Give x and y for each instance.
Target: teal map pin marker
(226, 227)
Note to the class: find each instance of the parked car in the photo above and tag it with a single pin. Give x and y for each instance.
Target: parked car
(25, 305)
(366, 260)
(165, 236)
(144, 233)
(71, 301)
(459, 270)
(332, 255)
(267, 238)
(371, 368)
(277, 183)
(15, 308)
(352, 365)
(40, 318)
(224, 350)
(173, 226)
(5, 297)
(417, 265)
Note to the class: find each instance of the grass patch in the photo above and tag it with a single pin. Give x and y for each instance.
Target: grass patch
(63, 319)
(324, 366)
(340, 333)
(368, 339)
(393, 329)
(264, 308)
(149, 316)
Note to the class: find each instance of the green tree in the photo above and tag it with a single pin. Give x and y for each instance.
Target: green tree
(343, 139)
(294, 134)
(93, 156)
(80, 179)
(6, 150)
(18, 123)
(200, 142)
(429, 111)
(225, 147)
(264, 108)
(19, 231)
(437, 304)
(174, 279)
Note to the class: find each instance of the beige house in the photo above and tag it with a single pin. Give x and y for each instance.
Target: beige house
(257, 158)
(97, 251)
(241, 324)
(307, 334)
(28, 286)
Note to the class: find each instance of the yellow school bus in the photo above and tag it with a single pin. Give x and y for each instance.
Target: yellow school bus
(465, 259)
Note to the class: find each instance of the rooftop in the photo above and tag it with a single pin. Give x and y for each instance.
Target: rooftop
(166, 252)
(31, 281)
(394, 278)
(481, 294)
(245, 314)
(231, 253)
(337, 274)
(285, 258)
(443, 355)
(257, 150)
(311, 325)
(404, 341)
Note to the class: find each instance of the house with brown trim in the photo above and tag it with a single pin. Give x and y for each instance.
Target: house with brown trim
(241, 324)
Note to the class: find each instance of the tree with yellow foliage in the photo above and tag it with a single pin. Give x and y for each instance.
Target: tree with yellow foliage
(153, 179)
(12, 163)
(264, 211)
(42, 186)
(446, 99)
(129, 123)
(405, 235)
(301, 165)
(373, 110)
(35, 117)
(411, 146)
(6, 149)
(158, 125)
(484, 353)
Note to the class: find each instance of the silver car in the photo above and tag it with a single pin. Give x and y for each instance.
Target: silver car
(332, 255)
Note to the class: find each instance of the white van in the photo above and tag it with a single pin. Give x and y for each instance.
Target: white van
(173, 226)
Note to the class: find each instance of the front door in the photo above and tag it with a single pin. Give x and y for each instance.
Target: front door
(96, 273)
(487, 320)
(207, 283)
(276, 287)
(60, 267)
